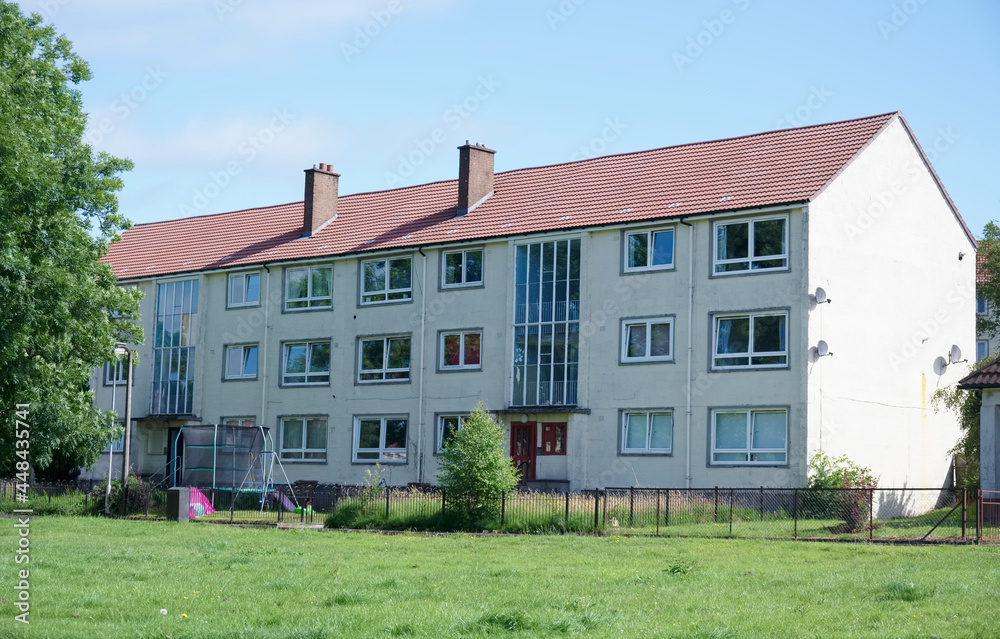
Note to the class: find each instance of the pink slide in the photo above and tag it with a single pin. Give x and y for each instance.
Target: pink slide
(199, 504)
(286, 503)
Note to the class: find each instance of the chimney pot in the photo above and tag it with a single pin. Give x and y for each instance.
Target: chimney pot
(320, 204)
(475, 176)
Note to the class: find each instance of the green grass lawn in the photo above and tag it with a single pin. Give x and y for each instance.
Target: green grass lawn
(106, 578)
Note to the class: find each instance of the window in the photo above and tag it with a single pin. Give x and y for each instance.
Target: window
(117, 444)
(648, 340)
(553, 439)
(753, 245)
(461, 350)
(647, 432)
(447, 426)
(303, 438)
(115, 373)
(649, 250)
(386, 280)
(241, 362)
(384, 359)
(750, 340)
(463, 268)
(306, 363)
(380, 439)
(173, 353)
(156, 442)
(981, 307)
(982, 349)
(754, 436)
(546, 323)
(244, 290)
(239, 422)
(308, 288)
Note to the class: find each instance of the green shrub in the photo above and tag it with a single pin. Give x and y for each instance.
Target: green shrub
(475, 469)
(849, 486)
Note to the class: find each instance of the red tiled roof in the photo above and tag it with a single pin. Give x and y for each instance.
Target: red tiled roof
(777, 167)
(986, 377)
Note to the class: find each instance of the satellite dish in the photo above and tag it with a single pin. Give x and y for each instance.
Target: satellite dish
(821, 297)
(822, 348)
(955, 355)
(940, 366)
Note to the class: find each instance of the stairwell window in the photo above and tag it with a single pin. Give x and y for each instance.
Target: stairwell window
(303, 439)
(386, 280)
(756, 436)
(173, 350)
(746, 246)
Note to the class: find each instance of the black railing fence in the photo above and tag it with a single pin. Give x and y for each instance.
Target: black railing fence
(905, 514)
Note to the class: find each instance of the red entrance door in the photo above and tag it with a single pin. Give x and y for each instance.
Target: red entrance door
(522, 448)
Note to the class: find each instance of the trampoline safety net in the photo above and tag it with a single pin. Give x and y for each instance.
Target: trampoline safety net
(220, 456)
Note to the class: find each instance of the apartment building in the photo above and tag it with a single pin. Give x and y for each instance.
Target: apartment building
(707, 314)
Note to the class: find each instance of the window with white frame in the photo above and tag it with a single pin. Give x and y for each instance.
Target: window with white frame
(749, 436)
(115, 373)
(385, 280)
(460, 350)
(244, 290)
(239, 422)
(649, 250)
(117, 444)
(981, 306)
(384, 359)
(982, 349)
(303, 439)
(306, 363)
(447, 427)
(648, 340)
(751, 245)
(751, 340)
(647, 432)
(380, 439)
(308, 288)
(241, 361)
(463, 268)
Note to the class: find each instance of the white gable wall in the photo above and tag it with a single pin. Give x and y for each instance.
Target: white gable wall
(885, 246)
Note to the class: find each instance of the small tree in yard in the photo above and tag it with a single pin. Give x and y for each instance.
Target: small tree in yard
(851, 486)
(475, 469)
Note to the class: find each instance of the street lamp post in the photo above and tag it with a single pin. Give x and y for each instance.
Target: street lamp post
(122, 349)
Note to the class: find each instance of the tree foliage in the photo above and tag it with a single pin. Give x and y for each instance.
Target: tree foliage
(988, 280)
(966, 405)
(475, 469)
(61, 310)
(849, 487)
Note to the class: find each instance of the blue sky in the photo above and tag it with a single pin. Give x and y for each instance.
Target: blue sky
(222, 103)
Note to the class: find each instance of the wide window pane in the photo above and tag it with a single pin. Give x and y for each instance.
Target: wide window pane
(661, 431)
(731, 430)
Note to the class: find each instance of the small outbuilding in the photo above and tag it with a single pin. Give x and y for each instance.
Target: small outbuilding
(987, 381)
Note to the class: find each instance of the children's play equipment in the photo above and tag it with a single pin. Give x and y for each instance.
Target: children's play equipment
(234, 459)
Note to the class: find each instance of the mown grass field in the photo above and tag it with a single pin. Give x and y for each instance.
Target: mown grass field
(107, 578)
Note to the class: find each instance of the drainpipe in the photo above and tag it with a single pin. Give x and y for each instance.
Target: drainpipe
(263, 351)
(690, 350)
(423, 369)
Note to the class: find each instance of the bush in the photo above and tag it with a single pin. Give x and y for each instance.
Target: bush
(140, 499)
(850, 487)
(475, 469)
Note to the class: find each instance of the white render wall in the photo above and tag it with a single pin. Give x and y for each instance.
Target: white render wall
(885, 246)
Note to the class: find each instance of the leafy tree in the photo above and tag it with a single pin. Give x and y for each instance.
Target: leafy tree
(849, 485)
(988, 280)
(61, 310)
(965, 404)
(474, 468)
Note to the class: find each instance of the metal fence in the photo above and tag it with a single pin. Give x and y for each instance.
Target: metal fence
(898, 514)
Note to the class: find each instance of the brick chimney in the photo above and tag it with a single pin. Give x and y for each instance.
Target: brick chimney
(320, 204)
(475, 176)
